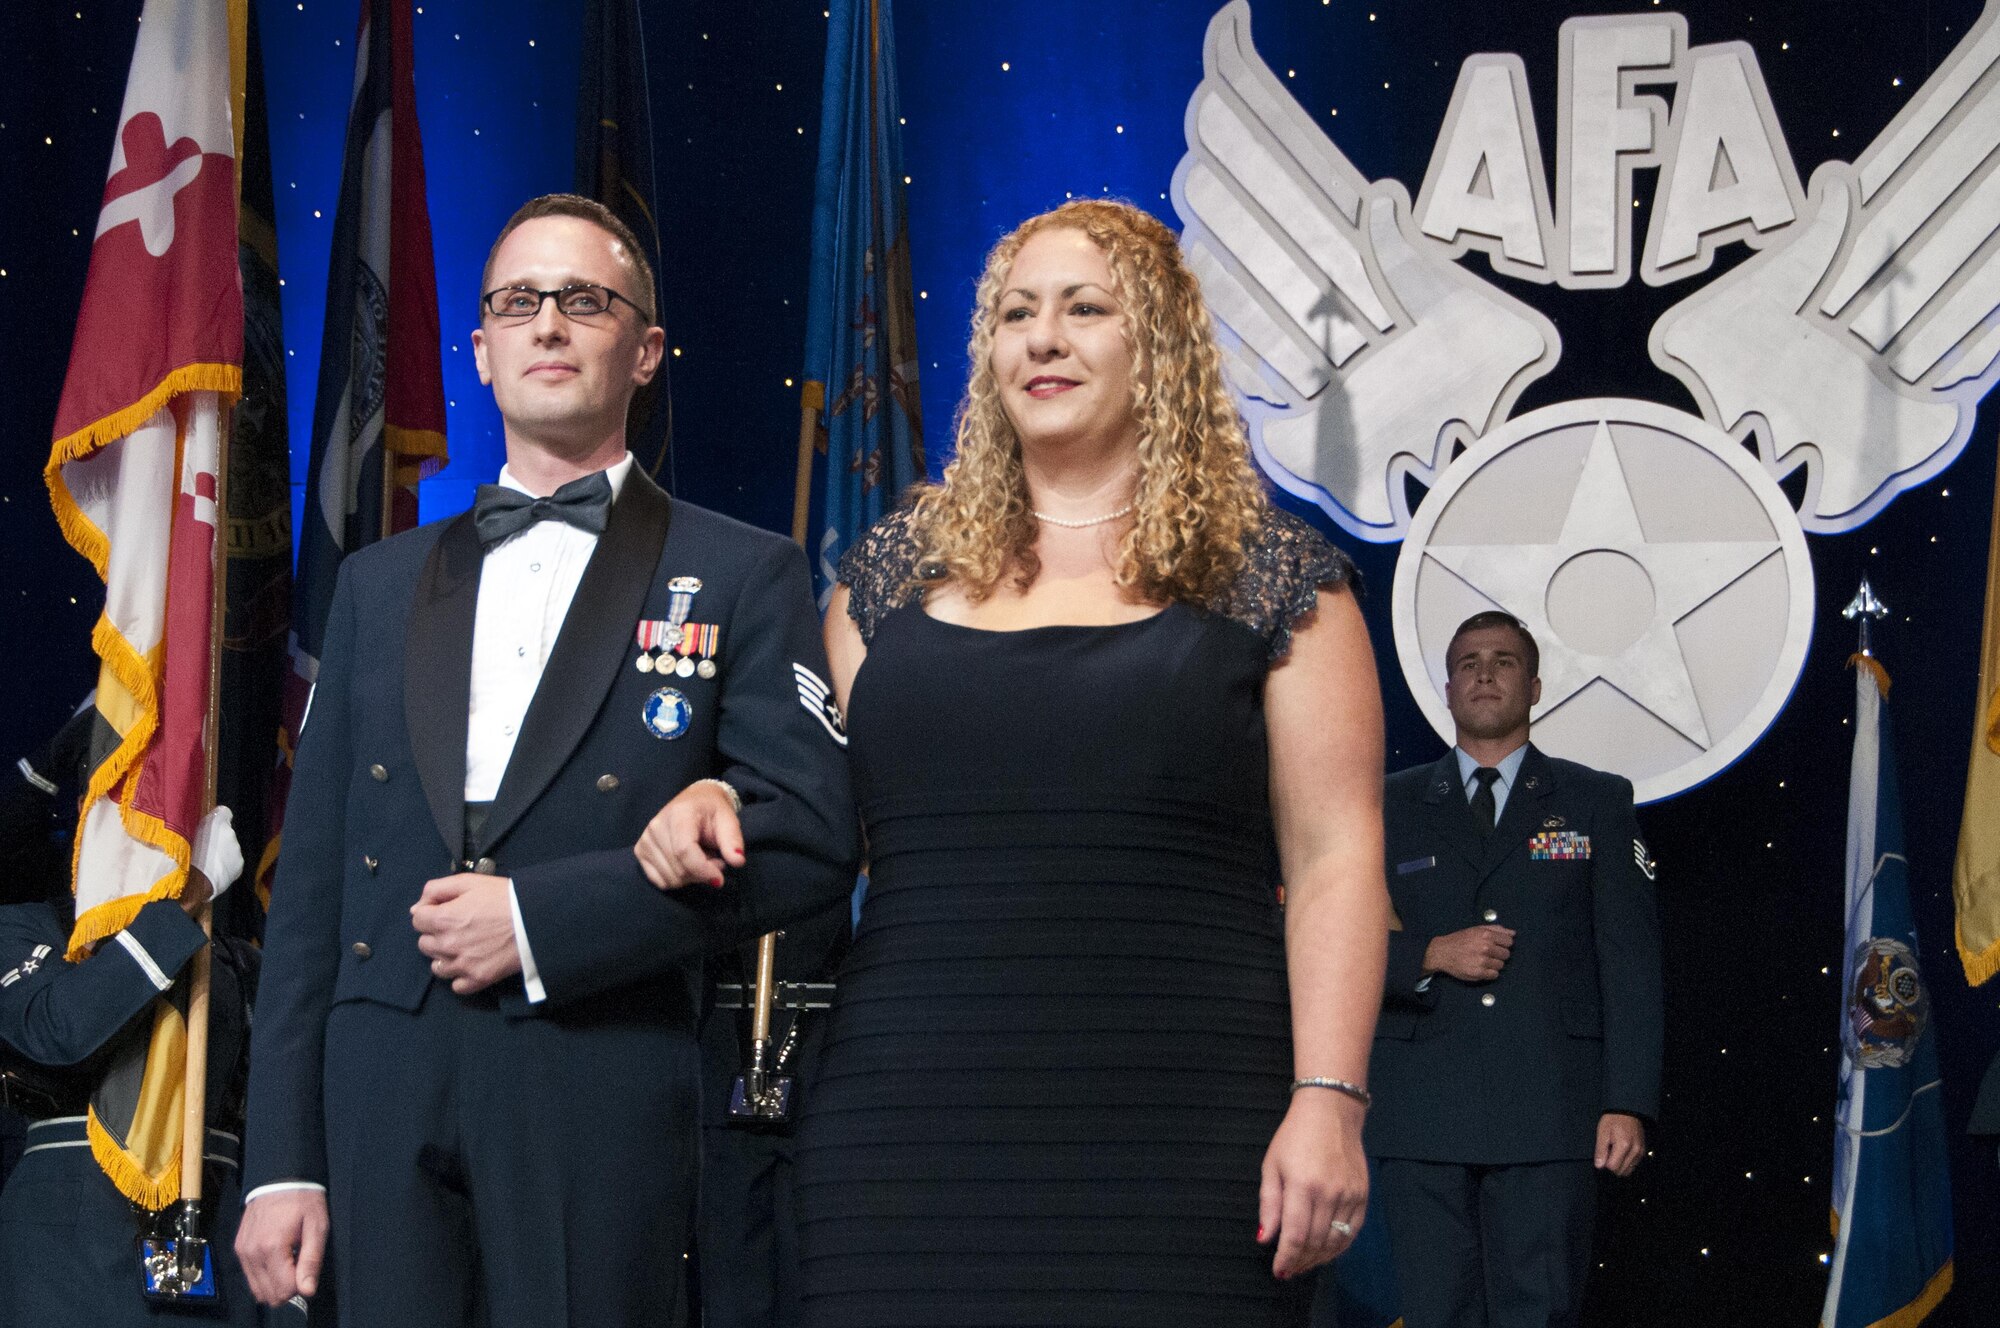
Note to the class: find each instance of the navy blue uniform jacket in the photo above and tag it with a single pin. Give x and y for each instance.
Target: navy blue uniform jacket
(1520, 1068)
(378, 793)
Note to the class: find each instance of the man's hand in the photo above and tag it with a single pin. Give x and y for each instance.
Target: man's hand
(691, 839)
(1476, 954)
(465, 925)
(1621, 1142)
(281, 1243)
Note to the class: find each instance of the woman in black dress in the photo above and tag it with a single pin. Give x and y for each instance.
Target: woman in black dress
(1101, 699)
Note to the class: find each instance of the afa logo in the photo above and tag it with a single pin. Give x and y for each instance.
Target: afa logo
(1651, 549)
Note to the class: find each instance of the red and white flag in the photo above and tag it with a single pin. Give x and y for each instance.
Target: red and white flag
(155, 366)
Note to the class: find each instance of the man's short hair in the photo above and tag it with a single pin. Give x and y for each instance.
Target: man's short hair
(590, 210)
(1531, 654)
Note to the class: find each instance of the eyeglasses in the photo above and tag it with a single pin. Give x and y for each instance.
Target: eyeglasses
(574, 301)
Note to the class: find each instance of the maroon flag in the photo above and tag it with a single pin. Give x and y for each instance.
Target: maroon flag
(155, 365)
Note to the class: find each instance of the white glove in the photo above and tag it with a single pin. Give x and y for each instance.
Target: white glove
(217, 855)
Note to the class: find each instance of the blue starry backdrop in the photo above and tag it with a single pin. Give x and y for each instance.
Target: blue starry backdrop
(1009, 108)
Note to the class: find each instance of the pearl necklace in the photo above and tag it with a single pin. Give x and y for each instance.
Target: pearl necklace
(1081, 525)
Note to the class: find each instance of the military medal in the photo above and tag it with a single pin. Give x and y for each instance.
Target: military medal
(698, 639)
(654, 635)
(681, 592)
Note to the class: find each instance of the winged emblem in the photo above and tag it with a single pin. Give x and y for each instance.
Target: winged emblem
(1361, 352)
(1860, 347)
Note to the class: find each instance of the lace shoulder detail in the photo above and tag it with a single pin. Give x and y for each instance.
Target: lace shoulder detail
(1288, 563)
(879, 571)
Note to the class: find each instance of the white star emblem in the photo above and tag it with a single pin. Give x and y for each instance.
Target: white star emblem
(1660, 567)
(1604, 562)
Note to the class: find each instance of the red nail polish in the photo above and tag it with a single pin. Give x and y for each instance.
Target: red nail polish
(1260, 1233)
(716, 884)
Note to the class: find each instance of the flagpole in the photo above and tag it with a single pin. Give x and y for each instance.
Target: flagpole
(811, 398)
(194, 1092)
(194, 1084)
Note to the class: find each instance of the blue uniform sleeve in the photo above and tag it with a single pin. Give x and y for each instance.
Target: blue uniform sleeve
(56, 1013)
(594, 920)
(1627, 924)
(285, 1129)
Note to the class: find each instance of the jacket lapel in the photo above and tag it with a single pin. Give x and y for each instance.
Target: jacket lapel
(590, 651)
(437, 673)
(1446, 796)
(1534, 781)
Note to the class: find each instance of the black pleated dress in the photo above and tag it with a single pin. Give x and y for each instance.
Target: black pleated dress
(1061, 1042)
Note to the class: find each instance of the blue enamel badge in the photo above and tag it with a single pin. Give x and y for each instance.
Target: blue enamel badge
(667, 713)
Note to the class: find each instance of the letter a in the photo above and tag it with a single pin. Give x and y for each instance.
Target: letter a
(1727, 175)
(1486, 188)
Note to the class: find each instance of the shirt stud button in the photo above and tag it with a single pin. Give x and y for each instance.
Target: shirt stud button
(1487, 999)
(606, 783)
(369, 861)
(1491, 915)
(486, 866)
(379, 773)
(362, 950)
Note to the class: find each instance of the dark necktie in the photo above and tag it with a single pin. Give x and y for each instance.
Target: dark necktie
(499, 513)
(1484, 808)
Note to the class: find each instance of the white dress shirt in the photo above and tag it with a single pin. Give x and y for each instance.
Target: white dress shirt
(525, 587)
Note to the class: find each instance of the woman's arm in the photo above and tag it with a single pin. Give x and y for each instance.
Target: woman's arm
(844, 647)
(1323, 710)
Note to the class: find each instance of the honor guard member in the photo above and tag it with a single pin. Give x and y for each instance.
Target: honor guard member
(1519, 1046)
(68, 1239)
(746, 1242)
(475, 1059)
(34, 862)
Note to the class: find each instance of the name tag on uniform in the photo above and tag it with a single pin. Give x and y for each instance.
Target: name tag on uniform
(1559, 846)
(1415, 865)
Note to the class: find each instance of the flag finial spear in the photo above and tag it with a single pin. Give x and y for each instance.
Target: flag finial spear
(1866, 610)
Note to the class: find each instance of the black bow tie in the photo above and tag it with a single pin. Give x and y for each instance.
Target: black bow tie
(500, 513)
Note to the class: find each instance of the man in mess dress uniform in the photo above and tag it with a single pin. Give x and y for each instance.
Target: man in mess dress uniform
(1518, 1052)
(474, 1058)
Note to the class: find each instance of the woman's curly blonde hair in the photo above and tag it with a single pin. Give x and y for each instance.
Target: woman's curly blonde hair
(1197, 498)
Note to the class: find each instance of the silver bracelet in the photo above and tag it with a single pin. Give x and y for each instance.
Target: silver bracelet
(735, 798)
(1355, 1091)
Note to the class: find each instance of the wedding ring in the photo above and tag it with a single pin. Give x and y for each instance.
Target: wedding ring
(1341, 1228)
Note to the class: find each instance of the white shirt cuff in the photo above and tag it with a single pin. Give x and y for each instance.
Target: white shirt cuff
(531, 977)
(277, 1185)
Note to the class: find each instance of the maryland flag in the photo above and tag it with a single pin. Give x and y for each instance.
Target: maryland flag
(1976, 881)
(153, 372)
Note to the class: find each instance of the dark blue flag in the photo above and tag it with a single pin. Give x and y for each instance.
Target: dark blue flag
(859, 404)
(378, 416)
(1891, 1260)
(614, 165)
